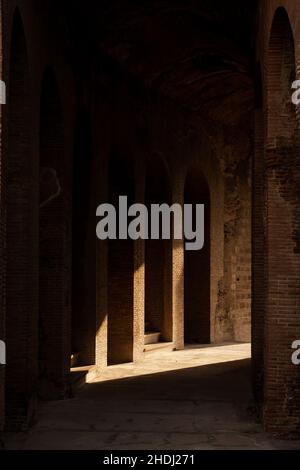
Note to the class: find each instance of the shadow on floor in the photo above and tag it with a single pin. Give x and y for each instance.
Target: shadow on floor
(205, 407)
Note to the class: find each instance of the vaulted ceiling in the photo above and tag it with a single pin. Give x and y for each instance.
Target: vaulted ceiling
(198, 52)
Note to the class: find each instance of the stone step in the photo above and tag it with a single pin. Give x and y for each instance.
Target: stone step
(152, 337)
(78, 376)
(169, 346)
(74, 359)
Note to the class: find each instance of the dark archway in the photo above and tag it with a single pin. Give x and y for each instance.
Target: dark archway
(197, 267)
(158, 261)
(84, 246)
(21, 306)
(120, 269)
(54, 258)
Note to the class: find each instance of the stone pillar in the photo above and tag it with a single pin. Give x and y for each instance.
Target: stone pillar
(178, 273)
(216, 257)
(102, 143)
(258, 259)
(139, 271)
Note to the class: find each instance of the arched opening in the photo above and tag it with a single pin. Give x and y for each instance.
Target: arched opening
(120, 273)
(54, 263)
(83, 247)
(280, 76)
(197, 267)
(282, 169)
(158, 261)
(21, 277)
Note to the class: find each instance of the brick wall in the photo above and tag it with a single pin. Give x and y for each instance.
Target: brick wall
(235, 323)
(258, 259)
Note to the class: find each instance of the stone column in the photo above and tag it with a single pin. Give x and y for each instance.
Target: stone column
(178, 273)
(139, 271)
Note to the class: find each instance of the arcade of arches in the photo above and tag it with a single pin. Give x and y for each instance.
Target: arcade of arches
(165, 102)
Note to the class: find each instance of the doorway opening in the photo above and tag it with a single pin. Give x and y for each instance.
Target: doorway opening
(120, 272)
(83, 247)
(197, 267)
(158, 261)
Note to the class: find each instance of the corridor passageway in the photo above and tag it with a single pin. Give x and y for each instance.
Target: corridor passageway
(162, 103)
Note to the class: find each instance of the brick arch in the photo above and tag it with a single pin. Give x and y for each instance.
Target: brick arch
(21, 276)
(197, 266)
(281, 72)
(282, 233)
(54, 246)
(158, 257)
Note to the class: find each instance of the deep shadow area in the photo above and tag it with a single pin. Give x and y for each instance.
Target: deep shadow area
(197, 271)
(158, 257)
(192, 384)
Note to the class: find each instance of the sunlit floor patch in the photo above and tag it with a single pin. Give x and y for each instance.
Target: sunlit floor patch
(161, 360)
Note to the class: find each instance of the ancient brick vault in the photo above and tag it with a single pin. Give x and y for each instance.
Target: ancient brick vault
(163, 101)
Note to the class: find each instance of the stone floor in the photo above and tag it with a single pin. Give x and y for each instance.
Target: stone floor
(199, 398)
